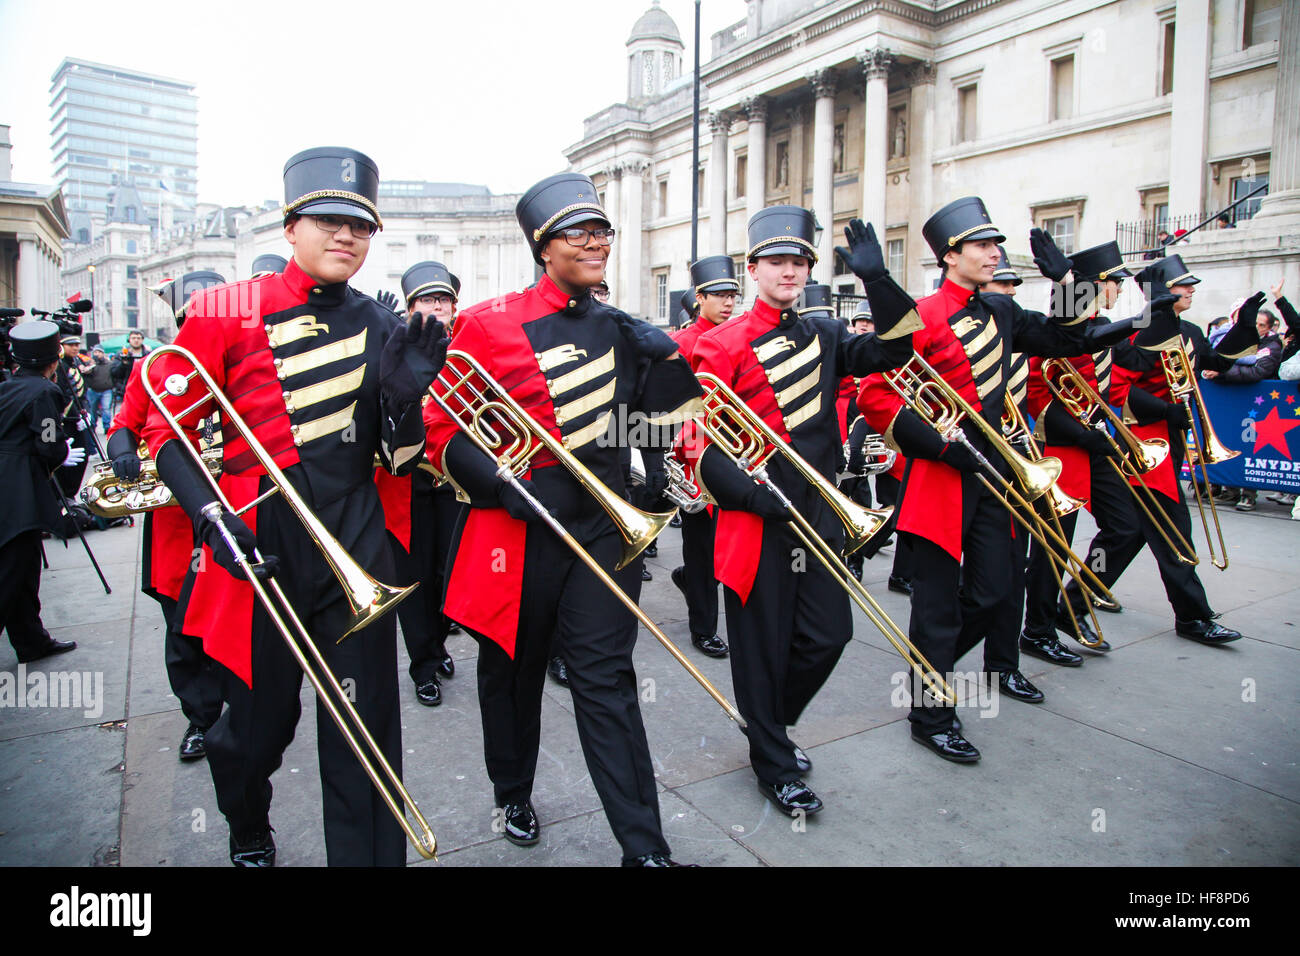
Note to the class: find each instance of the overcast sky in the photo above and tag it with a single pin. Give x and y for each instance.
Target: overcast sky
(485, 91)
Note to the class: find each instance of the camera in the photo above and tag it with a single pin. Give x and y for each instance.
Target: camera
(64, 317)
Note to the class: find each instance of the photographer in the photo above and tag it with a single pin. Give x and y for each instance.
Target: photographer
(125, 361)
(98, 375)
(31, 446)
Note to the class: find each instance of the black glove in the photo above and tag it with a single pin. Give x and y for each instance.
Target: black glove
(734, 490)
(411, 358)
(958, 456)
(1098, 444)
(1050, 260)
(863, 256)
(514, 502)
(1177, 417)
(122, 450)
(1250, 308)
(127, 466)
(389, 301)
(764, 503)
(210, 534)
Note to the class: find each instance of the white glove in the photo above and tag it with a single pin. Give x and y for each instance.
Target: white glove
(81, 424)
(75, 455)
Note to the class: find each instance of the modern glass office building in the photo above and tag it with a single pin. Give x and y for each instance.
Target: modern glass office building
(112, 126)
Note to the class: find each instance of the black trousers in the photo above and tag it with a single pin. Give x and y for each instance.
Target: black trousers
(889, 491)
(194, 677)
(595, 634)
(1182, 584)
(20, 602)
(1002, 643)
(247, 743)
(955, 605)
(698, 531)
(785, 640)
(1117, 542)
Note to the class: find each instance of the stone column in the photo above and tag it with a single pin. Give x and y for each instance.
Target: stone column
(756, 181)
(1283, 197)
(28, 293)
(875, 144)
(796, 149)
(823, 84)
(614, 208)
(1190, 118)
(920, 161)
(719, 126)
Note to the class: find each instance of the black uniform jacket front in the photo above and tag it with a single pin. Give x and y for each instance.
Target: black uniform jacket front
(32, 445)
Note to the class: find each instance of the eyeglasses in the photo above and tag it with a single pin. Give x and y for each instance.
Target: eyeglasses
(361, 229)
(724, 296)
(577, 236)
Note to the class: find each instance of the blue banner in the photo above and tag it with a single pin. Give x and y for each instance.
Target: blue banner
(1262, 421)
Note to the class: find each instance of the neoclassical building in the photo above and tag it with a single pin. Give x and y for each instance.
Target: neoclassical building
(1093, 119)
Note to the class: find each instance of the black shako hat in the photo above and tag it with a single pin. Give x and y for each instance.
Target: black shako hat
(783, 231)
(1163, 274)
(177, 292)
(1099, 263)
(35, 344)
(688, 302)
(863, 311)
(960, 220)
(816, 299)
(1004, 272)
(556, 203)
(268, 263)
(426, 278)
(714, 274)
(332, 180)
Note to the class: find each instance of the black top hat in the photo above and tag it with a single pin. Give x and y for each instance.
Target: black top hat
(1099, 263)
(268, 263)
(961, 220)
(332, 180)
(556, 203)
(714, 274)
(1004, 272)
(426, 278)
(688, 302)
(816, 298)
(1163, 274)
(176, 293)
(783, 231)
(35, 344)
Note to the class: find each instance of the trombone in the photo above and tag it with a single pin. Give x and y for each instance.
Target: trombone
(747, 440)
(1136, 458)
(1059, 504)
(368, 598)
(941, 407)
(507, 434)
(1181, 378)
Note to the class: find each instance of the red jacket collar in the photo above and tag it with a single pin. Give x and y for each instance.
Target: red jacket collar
(958, 297)
(298, 281)
(770, 316)
(552, 294)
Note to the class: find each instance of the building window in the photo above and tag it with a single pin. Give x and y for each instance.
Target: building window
(1167, 58)
(130, 247)
(661, 296)
(896, 258)
(663, 196)
(1062, 104)
(1061, 229)
(966, 113)
(130, 272)
(1241, 187)
(1261, 21)
(132, 319)
(131, 297)
(742, 174)
(741, 277)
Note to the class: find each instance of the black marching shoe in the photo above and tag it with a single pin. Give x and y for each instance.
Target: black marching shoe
(429, 692)
(1085, 634)
(645, 574)
(791, 798)
(1206, 632)
(678, 576)
(948, 744)
(446, 666)
(193, 746)
(655, 860)
(453, 628)
(519, 823)
(899, 585)
(49, 650)
(254, 849)
(652, 550)
(1017, 686)
(710, 645)
(677, 521)
(1049, 649)
(855, 566)
(801, 760)
(558, 671)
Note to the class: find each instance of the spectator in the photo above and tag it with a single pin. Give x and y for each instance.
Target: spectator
(99, 387)
(125, 361)
(1225, 221)
(1291, 341)
(1162, 239)
(1218, 328)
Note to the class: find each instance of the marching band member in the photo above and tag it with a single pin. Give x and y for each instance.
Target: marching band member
(168, 544)
(714, 291)
(961, 534)
(325, 378)
(577, 367)
(788, 627)
(268, 263)
(1148, 402)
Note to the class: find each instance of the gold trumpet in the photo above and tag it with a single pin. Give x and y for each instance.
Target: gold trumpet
(740, 434)
(368, 598)
(507, 434)
(1136, 456)
(1180, 374)
(941, 406)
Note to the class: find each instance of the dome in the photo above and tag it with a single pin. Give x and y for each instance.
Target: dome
(655, 24)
